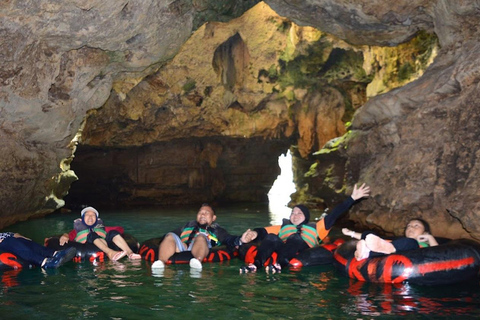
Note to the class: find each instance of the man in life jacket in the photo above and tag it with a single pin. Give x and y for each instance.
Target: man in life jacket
(198, 236)
(90, 229)
(298, 234)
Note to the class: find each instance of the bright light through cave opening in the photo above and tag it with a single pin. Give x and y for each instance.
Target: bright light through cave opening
(282, 188)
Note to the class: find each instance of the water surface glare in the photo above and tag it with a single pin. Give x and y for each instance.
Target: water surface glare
(128, 289)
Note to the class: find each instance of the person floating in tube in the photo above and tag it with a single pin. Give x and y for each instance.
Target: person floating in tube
(31, 252)
(417, 235)
(297, 234)
(90, 229)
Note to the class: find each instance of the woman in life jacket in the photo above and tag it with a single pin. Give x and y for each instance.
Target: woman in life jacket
(298, 234)
(90, 229)
(417, 235)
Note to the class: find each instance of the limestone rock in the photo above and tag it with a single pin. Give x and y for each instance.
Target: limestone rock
(416, 145)
(257, 76)
(60, 59)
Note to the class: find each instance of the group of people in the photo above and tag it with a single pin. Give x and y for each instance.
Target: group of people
(297, 234)
(292, 237)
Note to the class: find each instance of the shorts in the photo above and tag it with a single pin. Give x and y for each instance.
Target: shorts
(180, 245)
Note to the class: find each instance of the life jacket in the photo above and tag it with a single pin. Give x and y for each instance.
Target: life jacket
(83, 230)
(190, 232)
(322, 231)
(308, 233)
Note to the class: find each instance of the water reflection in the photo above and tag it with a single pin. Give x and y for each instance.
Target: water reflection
(129, 290)
(195, 273)
(9, 278)
(403, 299)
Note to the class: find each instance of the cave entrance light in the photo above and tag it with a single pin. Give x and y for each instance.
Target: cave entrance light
(282, 188)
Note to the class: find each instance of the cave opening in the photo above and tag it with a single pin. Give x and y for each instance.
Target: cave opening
(279, 195)
(218, 170)
(210, 125)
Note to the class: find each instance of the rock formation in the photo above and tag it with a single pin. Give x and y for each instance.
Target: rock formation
(416, 145)
(60, 59)
(130, 63)
(257, 85)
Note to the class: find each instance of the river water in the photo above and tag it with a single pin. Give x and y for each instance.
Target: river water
(128, 290)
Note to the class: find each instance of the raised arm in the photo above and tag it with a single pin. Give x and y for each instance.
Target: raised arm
(358, 193)
(361, 192)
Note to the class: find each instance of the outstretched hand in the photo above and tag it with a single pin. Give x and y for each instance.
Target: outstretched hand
(63, 239)
(352, 234)
(248, 236)
(18, 235)
(361, 192)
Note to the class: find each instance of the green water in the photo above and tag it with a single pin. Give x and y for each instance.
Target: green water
(128, 290)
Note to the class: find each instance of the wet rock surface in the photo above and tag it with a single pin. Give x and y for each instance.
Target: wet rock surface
(112, 63)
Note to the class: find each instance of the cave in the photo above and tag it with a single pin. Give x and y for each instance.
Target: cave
(178, 172)
(185, 101)
(164, 143)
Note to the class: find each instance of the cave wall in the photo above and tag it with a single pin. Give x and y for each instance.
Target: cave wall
(259, 76)
(60, 59)
(415, 145)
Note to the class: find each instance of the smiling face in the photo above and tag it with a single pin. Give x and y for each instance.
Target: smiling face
(297, 216)
(414, 229)
(90, 218)
(206, 216)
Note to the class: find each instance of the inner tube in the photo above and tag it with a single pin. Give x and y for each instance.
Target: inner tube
(89, 251)
(453, 262)
(320, 255)
(9, 261)
(149, 251)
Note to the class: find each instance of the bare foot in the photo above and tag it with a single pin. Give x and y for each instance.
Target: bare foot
(362, 251)
(377, 244)
(134, 256)
(117, 255)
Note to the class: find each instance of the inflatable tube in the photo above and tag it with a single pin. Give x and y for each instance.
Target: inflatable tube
(452, 262)
(149, 251)
(89, 251)
(320, 255)
(9, 261)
